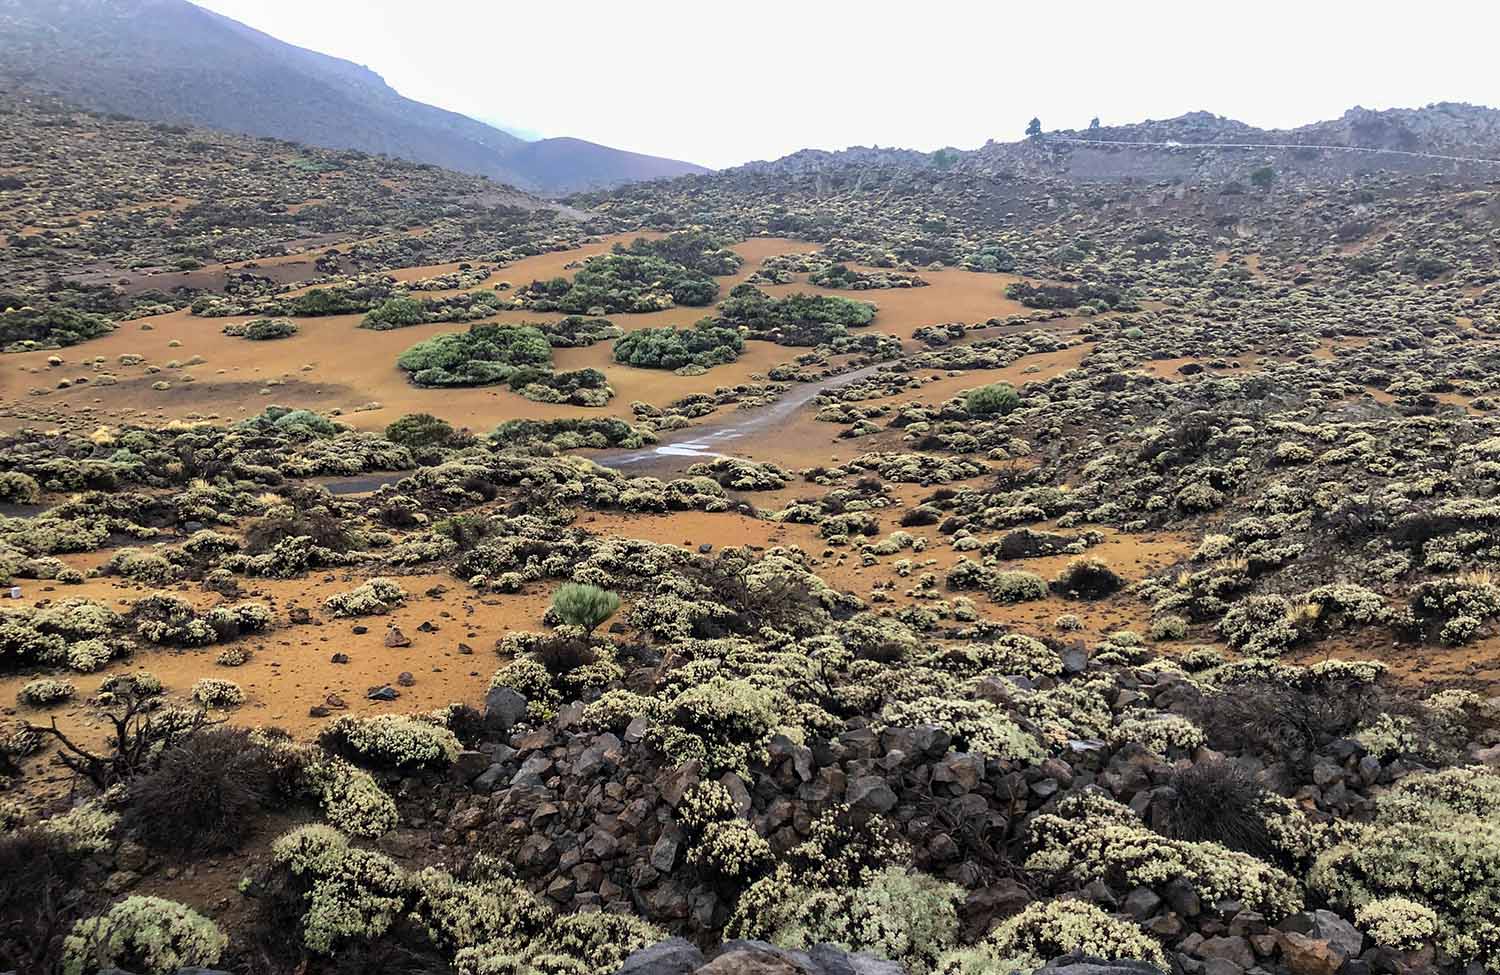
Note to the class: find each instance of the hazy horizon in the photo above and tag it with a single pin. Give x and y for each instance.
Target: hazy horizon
(670, 80)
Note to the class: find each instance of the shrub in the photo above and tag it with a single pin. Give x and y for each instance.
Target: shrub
(335, 892)
(391, 741)
(1050, 929)
(584, 605)
(910, 918)
(622, 282)
(1221, 802)
(1063, 296)
(1398, 923)
(215, 692)
(996, 398)
(50, 326)
(484, 355)
(205, 794)
(1088, 578)
(145, 934)
(697, 250)
(171, 620)
(398, 312)
(1016, 587)
(374, 598)
(263, 329)
(45, 692)
(18, 488)
(976, 726)
(418, 430)
(705, 344)
(352, 800)
(1261, 626)
(1435, 843)
(1169, 628)
(1092, 837)
(798, 319)
(1159, 732)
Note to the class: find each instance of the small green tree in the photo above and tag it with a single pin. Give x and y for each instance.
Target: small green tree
(1263, 177)
(1093, 123)
(999, 398)
(584, 605)
(1034, 128)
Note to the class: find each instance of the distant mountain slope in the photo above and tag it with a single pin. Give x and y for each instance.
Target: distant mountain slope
(573, 165)
(173, 61)
(1443, 129)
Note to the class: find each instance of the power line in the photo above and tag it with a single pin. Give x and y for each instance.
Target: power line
(1268, 145)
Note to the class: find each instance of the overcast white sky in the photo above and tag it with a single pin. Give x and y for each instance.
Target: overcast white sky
(723, 83)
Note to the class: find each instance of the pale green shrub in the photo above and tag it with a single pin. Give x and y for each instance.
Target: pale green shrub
(376, 597)
(1049, 929)
(392, 741)
(145, 934)
(215, 692)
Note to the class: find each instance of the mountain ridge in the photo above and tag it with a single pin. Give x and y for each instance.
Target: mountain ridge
(1441, 129)
(173, 61)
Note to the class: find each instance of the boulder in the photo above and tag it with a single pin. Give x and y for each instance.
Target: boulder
(503, 708)
(870, 793)
(675, 956)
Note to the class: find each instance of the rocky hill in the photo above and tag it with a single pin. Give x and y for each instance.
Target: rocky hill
(1409, 138)
(169, 60)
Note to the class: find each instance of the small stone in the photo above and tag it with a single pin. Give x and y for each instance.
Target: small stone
(395, 638)
(405, 679)
(339, 658)
(383, 693)
(1306, 955)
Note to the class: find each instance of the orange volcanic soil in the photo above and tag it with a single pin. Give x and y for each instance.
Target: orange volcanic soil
(333, 365)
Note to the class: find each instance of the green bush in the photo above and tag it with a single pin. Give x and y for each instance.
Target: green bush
(395, 313)
(483, 356)
(697, 250)
(1000, 398)
(796, 320)
(584, 605)
(622, 282)
(48, 327)
(263, 329)
(418, 430)
(705, 344)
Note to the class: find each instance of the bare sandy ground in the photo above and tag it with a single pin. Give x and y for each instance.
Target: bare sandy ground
(333, 365)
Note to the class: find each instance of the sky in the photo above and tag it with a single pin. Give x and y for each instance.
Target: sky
(724, 83)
